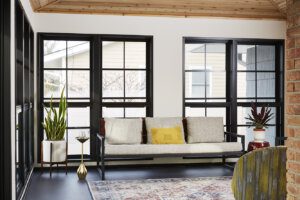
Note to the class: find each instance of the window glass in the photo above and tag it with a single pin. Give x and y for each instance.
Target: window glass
(124, 79)
(135, 84)
(55, 54)
(135, 55)
(113, 54)
(78, 54)
(113, 83)
(71, 60)
(54, 82)
(74, 146)
(194, 56)
(79, 84)
(112, 112)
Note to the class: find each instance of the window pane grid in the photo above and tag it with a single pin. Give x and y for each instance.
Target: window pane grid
(205, 79)
(69, 67)
(124, 82)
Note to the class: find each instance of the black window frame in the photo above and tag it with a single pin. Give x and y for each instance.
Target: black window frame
(148, 104)
(232, 102)
(95, 103)
(24, 98)
(5, 101)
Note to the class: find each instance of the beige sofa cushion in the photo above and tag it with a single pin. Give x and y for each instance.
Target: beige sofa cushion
(123, 131)
(205, 129)
(149, 149)
(162, 122)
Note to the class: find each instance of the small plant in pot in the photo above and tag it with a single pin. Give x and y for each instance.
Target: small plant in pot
(260, 121)
(55, 127)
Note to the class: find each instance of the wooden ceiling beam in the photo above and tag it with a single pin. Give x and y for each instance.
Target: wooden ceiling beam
(252, 9)
(169, 12)
(228, 6)
(280, 5)
(40, 4)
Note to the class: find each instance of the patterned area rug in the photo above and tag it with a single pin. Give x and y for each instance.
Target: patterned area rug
(208, 188)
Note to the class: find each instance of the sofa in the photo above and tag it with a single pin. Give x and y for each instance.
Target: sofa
(199, 137)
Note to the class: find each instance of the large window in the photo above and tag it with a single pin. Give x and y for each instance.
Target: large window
(66, 64)
(256, 82)
(205, 79)
(103, 76)
(223, 78)
(125, 78)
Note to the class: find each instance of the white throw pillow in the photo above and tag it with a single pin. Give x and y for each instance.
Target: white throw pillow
(162, 122)
(123, 131)
(205, 129)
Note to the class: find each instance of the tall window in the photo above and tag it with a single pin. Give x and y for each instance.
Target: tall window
(67, 65)
(223, 78)
(126, 78)
(103, 76)
(256, 82)
(205, 79)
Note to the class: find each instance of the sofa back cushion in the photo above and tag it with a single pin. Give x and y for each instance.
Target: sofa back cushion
(205, 129)
(123, 131)
(144, 134)
(162, 122)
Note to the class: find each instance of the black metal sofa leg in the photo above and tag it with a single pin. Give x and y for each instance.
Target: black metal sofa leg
(223, 160)
(102, 167)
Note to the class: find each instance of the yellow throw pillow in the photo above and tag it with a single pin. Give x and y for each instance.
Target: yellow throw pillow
(171, 135)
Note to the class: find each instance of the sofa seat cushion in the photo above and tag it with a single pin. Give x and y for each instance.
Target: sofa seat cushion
(148, 149)
(162, 122)
(123, 131)
(205, 129)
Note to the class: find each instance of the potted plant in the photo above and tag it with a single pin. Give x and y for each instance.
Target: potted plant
(259, 121)
(55, 127)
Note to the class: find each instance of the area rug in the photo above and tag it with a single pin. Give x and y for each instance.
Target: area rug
(208, 188)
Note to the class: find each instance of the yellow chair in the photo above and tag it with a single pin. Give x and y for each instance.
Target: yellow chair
(261, 175)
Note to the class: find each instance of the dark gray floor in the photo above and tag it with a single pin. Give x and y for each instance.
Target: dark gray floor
(65, 187)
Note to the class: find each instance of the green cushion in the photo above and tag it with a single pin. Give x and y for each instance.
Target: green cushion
(260, 174)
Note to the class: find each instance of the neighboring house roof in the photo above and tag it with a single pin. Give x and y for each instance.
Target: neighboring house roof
(74, 50)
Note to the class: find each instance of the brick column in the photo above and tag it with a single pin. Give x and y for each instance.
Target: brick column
(292, 101)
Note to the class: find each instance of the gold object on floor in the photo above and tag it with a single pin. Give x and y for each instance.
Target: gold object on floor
(82, 171)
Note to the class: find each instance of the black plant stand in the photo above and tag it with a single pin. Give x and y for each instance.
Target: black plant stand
(53, 163)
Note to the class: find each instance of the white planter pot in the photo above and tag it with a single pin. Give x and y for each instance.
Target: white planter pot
(59, 149)
(259, 135)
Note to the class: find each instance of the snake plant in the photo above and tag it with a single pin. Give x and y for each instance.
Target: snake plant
(55, 121)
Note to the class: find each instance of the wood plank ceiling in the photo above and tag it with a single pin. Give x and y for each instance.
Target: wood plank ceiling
(251, 9)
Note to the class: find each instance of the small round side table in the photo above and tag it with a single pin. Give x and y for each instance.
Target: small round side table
(256, 145)
(82, 171)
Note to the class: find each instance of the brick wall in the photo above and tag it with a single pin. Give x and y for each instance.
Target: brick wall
(292, 107)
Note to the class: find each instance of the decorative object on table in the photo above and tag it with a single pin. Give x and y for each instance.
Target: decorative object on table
(259, 121)
(257, 145)
(260, 174)
(54, 148)
(173, 188)
(82, 171)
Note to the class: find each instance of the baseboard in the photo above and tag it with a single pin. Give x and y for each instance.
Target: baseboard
(27, 182)
(75, 165)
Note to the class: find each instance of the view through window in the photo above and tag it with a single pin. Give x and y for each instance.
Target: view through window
(103, 76)
(124, 75)
(67, 65)
(217, 85)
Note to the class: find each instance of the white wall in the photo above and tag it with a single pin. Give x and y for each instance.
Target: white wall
(168, 33)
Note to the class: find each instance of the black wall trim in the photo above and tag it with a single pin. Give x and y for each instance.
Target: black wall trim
(5, 102)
